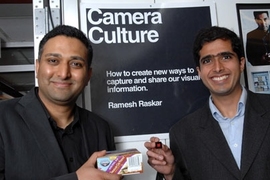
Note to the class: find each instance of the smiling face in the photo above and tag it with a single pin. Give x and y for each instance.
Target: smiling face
(62, 70)
(220, 68)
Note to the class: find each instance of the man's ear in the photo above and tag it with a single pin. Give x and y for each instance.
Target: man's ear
(89, 74)
(37, 66)
(198, 69)
(242, 63)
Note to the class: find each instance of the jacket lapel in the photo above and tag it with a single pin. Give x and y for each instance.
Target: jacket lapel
(212, 136)
(35, 118)
(256, 125)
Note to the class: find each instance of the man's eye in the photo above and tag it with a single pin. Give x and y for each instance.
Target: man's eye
(206, 60)
(226, 56)
(76, 64)
(52, 61)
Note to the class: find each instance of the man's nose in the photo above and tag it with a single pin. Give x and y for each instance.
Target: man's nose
(63, 71)
(218, 66)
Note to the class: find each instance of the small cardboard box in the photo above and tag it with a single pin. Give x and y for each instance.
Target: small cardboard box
(123, 162)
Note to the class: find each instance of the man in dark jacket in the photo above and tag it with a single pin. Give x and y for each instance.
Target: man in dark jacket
(44, 134)
(228, 138)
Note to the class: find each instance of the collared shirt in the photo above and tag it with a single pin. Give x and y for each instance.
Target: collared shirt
(70, 140)
(232, 128)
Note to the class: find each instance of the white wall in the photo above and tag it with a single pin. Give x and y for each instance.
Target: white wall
(226, 17)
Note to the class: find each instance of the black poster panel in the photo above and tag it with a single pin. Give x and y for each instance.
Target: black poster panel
(144, 78)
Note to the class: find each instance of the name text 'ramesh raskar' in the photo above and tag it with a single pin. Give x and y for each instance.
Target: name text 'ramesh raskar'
(134, 104)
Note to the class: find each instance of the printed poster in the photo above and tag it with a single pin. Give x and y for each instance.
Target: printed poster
(144, 77)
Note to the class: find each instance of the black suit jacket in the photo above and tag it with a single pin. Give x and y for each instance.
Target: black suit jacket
(202, 152)
(258, 43)
(28, 147)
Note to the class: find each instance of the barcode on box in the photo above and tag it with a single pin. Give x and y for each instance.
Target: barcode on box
(134, 163)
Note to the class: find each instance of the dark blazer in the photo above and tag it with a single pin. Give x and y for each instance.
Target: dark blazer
(258, 43)
(28, 147)
(202, 153)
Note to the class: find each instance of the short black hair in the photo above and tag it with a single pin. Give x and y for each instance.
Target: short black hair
(256, 13)
(213, 33)
(68, 31)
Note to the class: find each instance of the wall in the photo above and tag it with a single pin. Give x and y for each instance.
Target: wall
(226, 17)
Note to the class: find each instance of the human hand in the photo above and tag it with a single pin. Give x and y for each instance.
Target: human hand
(161, 159)
(88, 171)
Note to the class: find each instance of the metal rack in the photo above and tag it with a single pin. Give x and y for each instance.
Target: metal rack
(17, 46)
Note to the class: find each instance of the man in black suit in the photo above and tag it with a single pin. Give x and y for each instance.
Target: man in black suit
(229, 137)
(44, 134)
(258, 40)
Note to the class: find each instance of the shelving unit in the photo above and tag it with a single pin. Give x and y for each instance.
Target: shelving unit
(17, 72)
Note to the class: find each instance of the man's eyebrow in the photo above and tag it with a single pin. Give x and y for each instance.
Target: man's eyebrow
(53, 54)
(226, 53)
(221, 53)
(77, 58)
(59, 55)
(207, 56)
